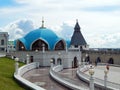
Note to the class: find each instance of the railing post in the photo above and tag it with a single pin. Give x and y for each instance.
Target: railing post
(51, 62)
(28, 57)
(91, 72)
(16, 65)
(105, 79)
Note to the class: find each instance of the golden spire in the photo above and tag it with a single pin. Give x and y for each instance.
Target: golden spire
(42, 26)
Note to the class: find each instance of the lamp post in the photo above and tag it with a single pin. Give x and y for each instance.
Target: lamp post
(91, 84)
(51, 62)
(28, 57)
(16, 65)
(59, 54)
(105, 78)
(22, 48)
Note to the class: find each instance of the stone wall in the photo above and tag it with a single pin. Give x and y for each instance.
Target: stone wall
(44, 58)
(104, 56)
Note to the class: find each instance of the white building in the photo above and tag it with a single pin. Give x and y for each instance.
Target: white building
(3, 41)
(43, 44)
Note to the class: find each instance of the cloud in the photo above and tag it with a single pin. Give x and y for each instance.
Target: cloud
(95, 40)
(97, 18)
(66, 31)
(18, 29)
(104, 40)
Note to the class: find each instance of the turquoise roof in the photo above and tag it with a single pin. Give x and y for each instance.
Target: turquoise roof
(44, 34)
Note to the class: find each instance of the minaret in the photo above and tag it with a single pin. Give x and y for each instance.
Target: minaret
(77, 40)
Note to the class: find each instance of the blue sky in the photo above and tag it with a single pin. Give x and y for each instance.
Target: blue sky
(99, 19)
(7, 3)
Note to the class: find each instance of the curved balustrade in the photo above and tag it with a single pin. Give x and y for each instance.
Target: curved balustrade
(98, 82)
(25, 69)
(63, 80)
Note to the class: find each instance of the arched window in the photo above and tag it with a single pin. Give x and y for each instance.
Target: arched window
(2, 42)
(38, 45)
(60, 46)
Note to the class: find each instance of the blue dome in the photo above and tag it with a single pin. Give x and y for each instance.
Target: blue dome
(47, 35)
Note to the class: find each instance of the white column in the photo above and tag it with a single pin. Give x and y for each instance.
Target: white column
(105, 79)
(66, 48)
(43, 48)
(91, 72)
(91, 83)
(16, 65)
(28, 57)
(51, 63)
(37, 65)
(83, 62)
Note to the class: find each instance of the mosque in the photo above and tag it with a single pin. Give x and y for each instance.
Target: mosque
(42, 45)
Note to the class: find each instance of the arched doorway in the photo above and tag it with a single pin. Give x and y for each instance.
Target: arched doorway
(75, 62)
(20, 46)
(111, 61)
(59, 61)
(31, 59)
(60, 45)
(38, 45)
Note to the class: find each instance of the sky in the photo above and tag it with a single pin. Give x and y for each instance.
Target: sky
(99, 19)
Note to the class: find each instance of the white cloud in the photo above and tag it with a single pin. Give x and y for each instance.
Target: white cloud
(95, 40)
(18, 29)
(104, 40)
(93, 23)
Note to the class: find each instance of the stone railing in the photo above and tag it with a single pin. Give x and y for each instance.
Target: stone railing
(63, 80)
(2, 54)
(98, 82)
(22, 70)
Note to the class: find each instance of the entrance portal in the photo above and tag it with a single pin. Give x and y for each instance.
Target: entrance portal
(75, 62)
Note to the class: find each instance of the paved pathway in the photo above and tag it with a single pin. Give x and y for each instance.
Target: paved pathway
(71, 74)
(41, 77)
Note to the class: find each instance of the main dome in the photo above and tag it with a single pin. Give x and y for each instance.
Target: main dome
(41, 35)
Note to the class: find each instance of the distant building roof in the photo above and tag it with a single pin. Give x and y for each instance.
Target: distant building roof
(77, 38)
(10, 42)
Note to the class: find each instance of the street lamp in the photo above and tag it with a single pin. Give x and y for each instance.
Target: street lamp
(59, 54)
(105, 78)
(16, 65)
(91, 72)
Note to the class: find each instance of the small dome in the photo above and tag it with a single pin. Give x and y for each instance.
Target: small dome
(44, 34)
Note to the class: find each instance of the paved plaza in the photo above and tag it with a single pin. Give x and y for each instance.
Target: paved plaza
(41, 77)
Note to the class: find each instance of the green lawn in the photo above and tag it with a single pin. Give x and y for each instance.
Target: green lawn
(7, 81)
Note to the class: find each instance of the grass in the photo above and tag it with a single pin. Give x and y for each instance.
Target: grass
(7, 68)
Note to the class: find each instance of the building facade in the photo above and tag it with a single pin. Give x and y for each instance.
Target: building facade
(3, 41)
(43, 44)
